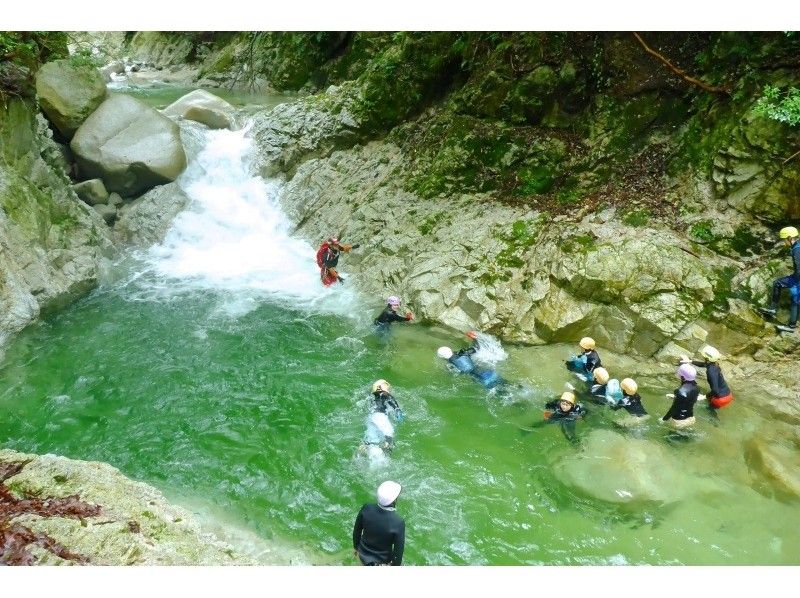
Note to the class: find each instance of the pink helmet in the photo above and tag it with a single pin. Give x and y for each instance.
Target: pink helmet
(333, 240)
(393, 300)
(687, 372)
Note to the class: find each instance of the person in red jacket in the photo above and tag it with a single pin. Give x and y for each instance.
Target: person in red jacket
(328, 258)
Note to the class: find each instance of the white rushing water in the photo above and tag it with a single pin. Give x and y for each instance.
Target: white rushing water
(234, 237)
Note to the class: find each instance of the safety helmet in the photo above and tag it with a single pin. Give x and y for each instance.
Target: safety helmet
(601, 375)
(333, 240)
(381, 385)
(472, 334)
(789, 232)
(388, 493)
(687, 372)
(629, 386)
(710, 353)
(445, 352)
(587, 343)
(568, 397)
(393, 300)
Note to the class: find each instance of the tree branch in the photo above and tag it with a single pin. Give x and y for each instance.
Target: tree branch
(681, 73)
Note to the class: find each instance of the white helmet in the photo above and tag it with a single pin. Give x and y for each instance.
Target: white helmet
(388, 493)
(710, 353)
(445, 352)
(380, 385)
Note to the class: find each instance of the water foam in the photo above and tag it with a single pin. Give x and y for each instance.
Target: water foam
(234, 237)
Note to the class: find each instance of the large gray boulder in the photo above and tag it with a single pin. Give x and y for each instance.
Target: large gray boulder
(68, 94)
(129, 145)
(203, 107)
(146, 220)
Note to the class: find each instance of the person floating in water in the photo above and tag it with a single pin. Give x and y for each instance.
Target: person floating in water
(389, 313)
(605, 390)
(583, 365)
(462, 363)
(792, 282)
(632, 403)
(380, 430)
(563, 411)
(681, 413)
(719, 394)
(328, 258)
(379, 533)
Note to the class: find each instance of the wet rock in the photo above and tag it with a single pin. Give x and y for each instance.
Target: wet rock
(69, 93)
(777, 464)
(113, 68)
(129, 145)
(107, 213)
(146, 220)
(92, 191)
(203, 107)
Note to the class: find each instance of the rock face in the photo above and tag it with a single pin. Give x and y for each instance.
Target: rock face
(68, 94)
(92, 514)
(52, 243)
(92, 191)
(129, 145)
(146, 220)
(203, 107)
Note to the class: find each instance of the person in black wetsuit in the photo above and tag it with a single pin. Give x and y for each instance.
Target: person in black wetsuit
(792, 282)
(632, 403)
(379, 534)
(585, 363)
(681, 413)
(565, 412)
(720, 393)
(389, 314)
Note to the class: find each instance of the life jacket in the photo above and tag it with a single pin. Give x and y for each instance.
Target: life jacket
(613, 392)
(321, 254)
(463, 363)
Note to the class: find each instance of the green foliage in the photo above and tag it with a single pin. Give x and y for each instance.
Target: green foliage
(640, 217)
(536, 180)
(702, 231)
(21, 53)
(780, 105)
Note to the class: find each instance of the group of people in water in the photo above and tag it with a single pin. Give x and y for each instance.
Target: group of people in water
(379, 532)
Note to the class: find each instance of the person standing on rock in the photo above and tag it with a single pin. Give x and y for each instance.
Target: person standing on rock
(328, 258)
(379, 533)
(792, 282)
(389, 313)
(681, 413)
(719, 394)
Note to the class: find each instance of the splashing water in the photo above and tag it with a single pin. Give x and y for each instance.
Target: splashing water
(490, 351)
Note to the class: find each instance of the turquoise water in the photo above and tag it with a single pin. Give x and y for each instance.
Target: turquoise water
(216, 368)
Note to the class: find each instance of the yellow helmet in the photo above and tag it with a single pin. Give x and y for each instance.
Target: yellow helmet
(601, 375)
(710, 353)
(788, 232)
(587, 343)
(629, 386)
(568, 397)
(381, 385)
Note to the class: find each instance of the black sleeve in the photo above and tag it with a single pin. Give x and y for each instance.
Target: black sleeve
(592, 361)
(671, 411)
(392, 402)
(551, 404)
(358, 528)
(395, 317)
(796, 258)
(399, 545)
(698, 364)
(568, 428)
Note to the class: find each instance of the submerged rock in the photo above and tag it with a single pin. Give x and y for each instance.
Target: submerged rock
(620, 469)
(774, 463)
(129, 145)
(69, 93)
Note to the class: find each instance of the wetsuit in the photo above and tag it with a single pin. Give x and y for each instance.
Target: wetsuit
(489, 378)
(598, 393)
(379, 535)
(791, 282)
(720, 394)
(566, 419)
(387, 316)
(682, 408)
(632, 404)
(382, 400)
(592, 360)
(462, 361)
